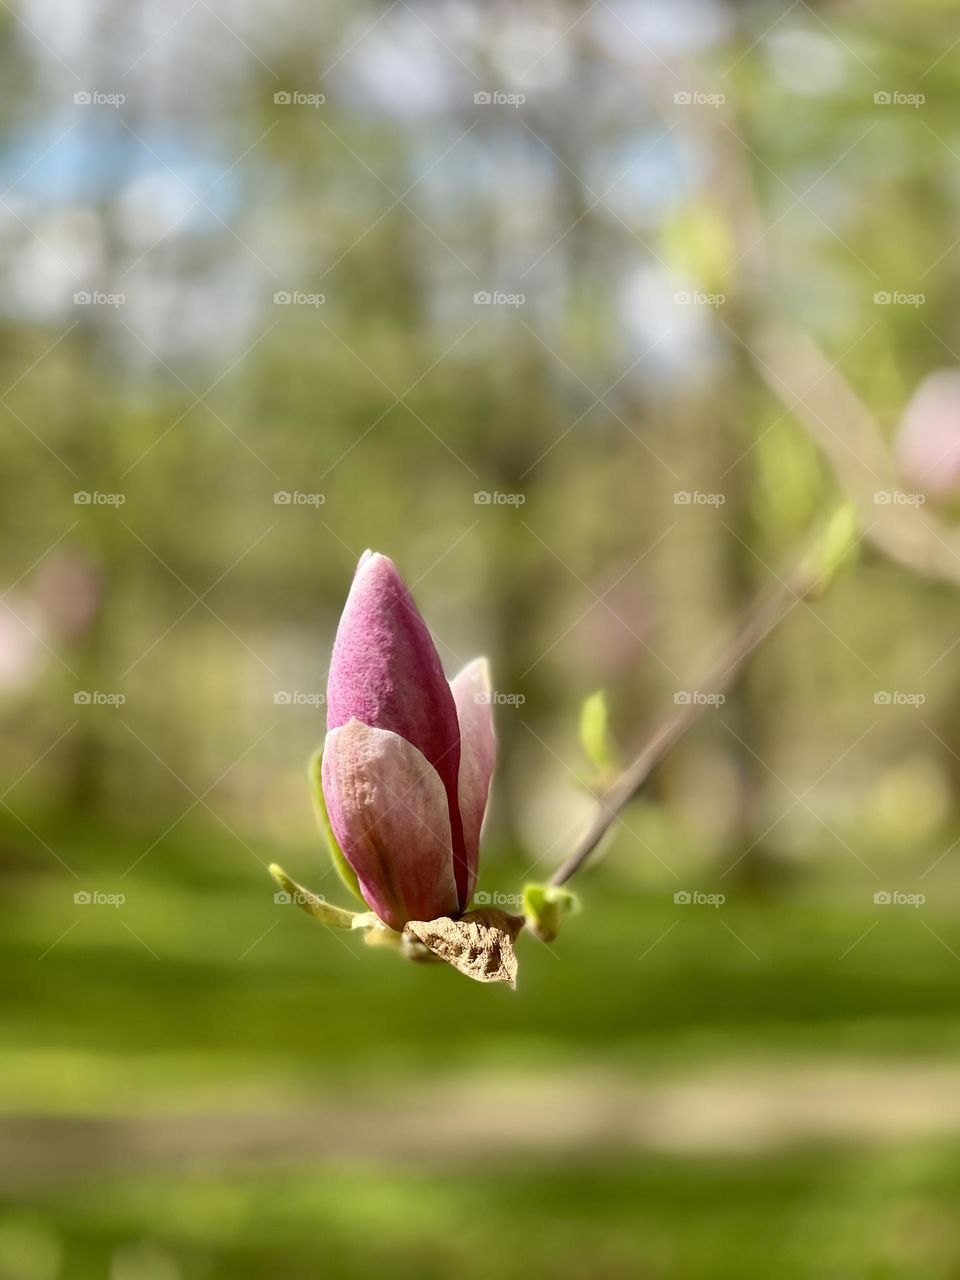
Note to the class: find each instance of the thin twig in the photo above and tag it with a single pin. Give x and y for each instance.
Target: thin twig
(766, 614)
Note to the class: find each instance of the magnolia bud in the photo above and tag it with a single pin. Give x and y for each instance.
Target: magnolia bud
(408, 757)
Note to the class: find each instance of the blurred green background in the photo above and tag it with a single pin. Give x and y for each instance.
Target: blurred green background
(486, 287)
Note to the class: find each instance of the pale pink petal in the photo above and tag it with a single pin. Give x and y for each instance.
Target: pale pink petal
(478, 753)
(388, 809)
(928, 441)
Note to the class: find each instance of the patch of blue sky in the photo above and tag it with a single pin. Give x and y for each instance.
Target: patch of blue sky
(50, 168)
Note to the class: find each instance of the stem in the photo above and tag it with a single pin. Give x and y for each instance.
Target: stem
(766, 613)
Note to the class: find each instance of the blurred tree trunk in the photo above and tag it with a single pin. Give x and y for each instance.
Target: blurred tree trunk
(97, 419)
(745, 710)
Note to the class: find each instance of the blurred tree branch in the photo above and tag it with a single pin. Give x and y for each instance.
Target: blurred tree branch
(806, 580)
(813, 389)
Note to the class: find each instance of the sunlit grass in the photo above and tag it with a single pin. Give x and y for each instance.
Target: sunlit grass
(818, 1213)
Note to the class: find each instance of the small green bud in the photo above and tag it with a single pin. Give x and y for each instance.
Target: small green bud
(545, 906)
(838, 547)
(595, 734)
(375, 932)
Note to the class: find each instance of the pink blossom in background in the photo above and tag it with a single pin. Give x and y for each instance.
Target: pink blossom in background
(928, 440)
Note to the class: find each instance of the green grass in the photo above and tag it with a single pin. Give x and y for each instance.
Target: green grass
(822, 1214)
(200, 994)
(200, 968)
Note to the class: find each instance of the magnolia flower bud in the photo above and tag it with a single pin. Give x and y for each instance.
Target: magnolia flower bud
(407, 758)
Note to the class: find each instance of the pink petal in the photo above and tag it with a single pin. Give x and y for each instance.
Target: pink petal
(478, 753)
(389, 811)
(385, 672)
(928, 442)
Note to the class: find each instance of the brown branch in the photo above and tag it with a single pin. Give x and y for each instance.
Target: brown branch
(802, 583)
